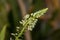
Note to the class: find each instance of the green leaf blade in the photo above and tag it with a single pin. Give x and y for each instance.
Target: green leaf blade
(2, 33)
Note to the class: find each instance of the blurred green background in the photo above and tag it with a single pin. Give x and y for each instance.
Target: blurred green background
(47, 27)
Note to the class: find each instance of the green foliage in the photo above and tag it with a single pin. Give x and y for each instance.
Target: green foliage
(3, 19)
(2, 33)
(3, 14)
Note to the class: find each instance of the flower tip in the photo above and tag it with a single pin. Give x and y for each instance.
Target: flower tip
(46, 9)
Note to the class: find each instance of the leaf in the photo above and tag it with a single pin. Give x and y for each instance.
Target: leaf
(2, 33)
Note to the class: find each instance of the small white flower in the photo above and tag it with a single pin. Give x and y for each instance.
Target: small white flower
(16, 33)
(29, 28)
(32, 14)
(17, 30)
(11, 38)
(17, 27)
(27, 16)
(13, 34)
(20, 22)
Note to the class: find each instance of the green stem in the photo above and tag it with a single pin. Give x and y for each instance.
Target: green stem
(22, 31)
(16, 38)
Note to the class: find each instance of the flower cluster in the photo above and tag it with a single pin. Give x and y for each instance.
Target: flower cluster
(29, 22)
